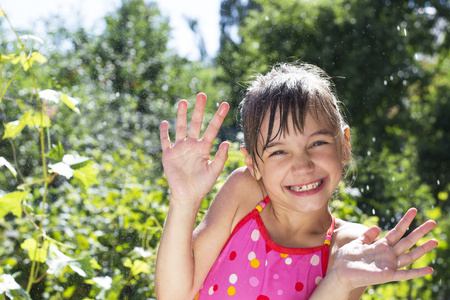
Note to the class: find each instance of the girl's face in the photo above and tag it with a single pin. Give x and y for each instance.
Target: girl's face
(300, 171)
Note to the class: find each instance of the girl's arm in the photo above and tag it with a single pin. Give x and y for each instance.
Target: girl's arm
(190, 175)
(367, 261)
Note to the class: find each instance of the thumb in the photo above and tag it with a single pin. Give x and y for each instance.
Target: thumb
(369, 235)
(220, 158)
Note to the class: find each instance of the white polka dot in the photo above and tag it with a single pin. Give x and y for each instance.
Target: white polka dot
(318, 279)
(255, 235)
(315, 259)
(211, 290)
(280, 292)
(288, 261)
(276, 276)
(251, 255)
(233, 278)
(254, 282)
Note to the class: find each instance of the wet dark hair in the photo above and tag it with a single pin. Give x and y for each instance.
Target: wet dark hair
(289, 90)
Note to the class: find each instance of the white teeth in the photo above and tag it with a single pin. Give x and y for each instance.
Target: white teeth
(305, 188)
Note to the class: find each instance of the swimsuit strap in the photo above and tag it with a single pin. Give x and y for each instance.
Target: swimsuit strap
(330, 232)
(262, 204)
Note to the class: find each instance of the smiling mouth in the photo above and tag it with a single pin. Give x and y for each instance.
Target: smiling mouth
(305, 187)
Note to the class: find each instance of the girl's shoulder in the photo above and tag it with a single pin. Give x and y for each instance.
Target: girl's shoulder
(245, 191)
(345, 232)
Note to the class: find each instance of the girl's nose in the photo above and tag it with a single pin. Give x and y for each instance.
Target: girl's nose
(302, 164)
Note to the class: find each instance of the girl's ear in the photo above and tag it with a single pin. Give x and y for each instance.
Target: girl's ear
(347, 148)
(250, 164)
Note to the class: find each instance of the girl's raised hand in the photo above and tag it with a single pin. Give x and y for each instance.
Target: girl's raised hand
(367, 261)
(189, 170)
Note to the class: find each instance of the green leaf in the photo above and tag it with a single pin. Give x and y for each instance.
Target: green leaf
(71, 162)
(29, 118)
(138, 266)
(62, 169)
(28, 61)
(38, 119)
(32, 37)
(75, 161)
(54, 96)
(4, 162)
(70, 102)
(57, 261)
(7, 57)
(82, 266)
(35, 253)
(57, 152)
(49, 95)
(103, 282)
(11, 288)
(87, 175)
(11, 203)
(69, 291)
(12, 129)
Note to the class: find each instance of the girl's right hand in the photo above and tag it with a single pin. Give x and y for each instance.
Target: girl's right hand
(367, 261)
(190, 172)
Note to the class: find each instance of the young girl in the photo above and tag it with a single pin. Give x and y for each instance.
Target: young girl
(269, 233)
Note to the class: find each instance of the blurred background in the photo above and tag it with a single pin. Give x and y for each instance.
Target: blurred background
(82, 194)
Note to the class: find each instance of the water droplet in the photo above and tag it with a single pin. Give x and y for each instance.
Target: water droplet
(373, 139)
(398, 28)
(373, 211)
(438, 182)
(385, 82)
(404, 31)
(367, 187)
(369, 153)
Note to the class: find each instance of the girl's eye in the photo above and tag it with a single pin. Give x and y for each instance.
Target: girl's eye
(318, 143)
(277, 153)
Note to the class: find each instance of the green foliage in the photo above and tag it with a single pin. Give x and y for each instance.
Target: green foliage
(83, 197)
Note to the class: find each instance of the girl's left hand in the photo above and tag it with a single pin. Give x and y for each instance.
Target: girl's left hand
(367, 261)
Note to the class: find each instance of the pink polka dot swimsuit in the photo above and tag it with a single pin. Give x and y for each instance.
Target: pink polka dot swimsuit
(251, 266)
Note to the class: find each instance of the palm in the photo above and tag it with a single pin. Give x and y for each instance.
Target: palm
(363, 262)
(189, 170)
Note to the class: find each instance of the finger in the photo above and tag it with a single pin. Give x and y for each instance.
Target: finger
(409, 241)
(369, 235)
(164, 135)
(214, 126)
(197, 117)
(181, 121)
(411, 274)
(396, 234)
(219, 160)
(410, 257)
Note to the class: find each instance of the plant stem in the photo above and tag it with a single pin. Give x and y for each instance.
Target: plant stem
(31, 277)
(44, 165)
